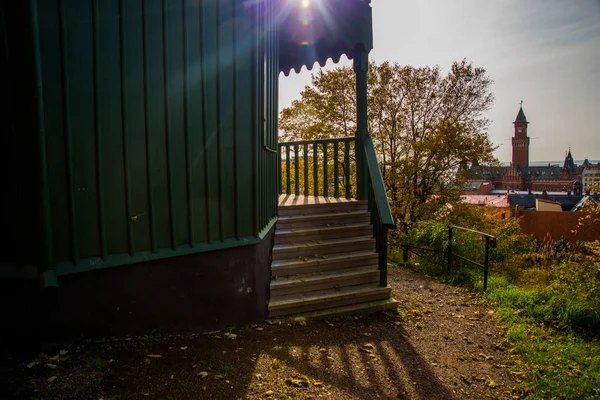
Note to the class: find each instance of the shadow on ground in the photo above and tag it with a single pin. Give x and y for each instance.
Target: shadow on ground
(345, 358)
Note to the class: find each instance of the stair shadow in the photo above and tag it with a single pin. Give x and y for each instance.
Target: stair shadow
(393, 369)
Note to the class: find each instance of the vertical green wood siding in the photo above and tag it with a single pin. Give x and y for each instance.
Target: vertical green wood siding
(153, 113)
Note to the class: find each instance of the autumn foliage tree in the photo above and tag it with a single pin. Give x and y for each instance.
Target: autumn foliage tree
(426, 126)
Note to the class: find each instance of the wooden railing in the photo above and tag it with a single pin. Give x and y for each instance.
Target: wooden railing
(320, 167)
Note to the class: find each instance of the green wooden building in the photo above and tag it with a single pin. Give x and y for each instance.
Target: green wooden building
(140, 155)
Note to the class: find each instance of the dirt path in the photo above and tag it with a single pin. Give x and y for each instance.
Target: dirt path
(442, 344)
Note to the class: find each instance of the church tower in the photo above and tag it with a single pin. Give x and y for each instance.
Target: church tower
(569, 166)
(520, 142)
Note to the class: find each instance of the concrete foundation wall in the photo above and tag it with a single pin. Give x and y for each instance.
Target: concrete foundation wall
(182, 294)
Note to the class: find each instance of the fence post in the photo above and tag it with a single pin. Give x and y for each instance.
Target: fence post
(449, 249)
(486, 262)
(405, 254)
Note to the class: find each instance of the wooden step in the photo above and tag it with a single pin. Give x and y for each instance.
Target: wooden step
(329, 298)
(323, 247)
(352, 309)
(316, 220)
(327, 207)
(329, 232)
(324, 280)
(312, 264)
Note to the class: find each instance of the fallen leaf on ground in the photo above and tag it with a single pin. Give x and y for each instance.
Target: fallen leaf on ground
(32, 364)
(202, 374)
(258, 377)
(154, 355)
(52, 378)
(269, 393)
(298, 381)
(183, 348)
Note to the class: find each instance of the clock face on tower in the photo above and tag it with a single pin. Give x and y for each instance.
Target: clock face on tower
(519, 130)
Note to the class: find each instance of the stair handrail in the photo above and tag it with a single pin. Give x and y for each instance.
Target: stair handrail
(376, 178)
(379, 206)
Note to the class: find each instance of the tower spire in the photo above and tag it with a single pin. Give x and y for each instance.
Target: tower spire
(520, 141)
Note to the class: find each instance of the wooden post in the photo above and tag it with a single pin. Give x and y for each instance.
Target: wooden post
(361, 66)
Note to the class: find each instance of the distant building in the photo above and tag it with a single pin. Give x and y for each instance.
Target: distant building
(547, 205)
(589, 176)
(519, 175)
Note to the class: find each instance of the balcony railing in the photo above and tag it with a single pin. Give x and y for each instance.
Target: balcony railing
(320, 167)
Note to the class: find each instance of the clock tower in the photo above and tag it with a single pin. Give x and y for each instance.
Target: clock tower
(520, 142)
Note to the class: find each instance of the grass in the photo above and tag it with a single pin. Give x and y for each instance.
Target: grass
(556, 363)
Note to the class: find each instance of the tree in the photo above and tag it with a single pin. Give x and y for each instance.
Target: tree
(426, 126)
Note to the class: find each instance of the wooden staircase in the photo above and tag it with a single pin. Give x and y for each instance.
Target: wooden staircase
(324, 260)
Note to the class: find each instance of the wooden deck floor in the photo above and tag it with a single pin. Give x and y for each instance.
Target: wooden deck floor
(293, 200)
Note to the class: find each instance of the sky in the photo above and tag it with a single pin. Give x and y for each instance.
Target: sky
(544, 52)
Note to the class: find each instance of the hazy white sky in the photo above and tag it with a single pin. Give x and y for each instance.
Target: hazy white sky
(544, 52)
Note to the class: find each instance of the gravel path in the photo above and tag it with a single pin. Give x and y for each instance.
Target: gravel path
(443, 343)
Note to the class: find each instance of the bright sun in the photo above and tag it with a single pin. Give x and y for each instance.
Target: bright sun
(305, 3)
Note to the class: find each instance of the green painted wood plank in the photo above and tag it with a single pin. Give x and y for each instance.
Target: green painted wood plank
(189, 177)
(167, 77)
(175, 70)
(66, 114)
(98, 130)
(125, 126)
(109, 116)
(51, 60)
(147, 124)
(243, 122)
(157, 180)
(195, 123)
(226, 115)
(210, 79)
(47, 252)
